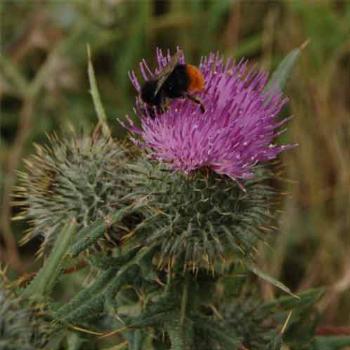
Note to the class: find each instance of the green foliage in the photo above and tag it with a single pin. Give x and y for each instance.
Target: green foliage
(23, 324)
(170, 220)
(178, 237)
(331, 343)
(90, 302)
(249, 321)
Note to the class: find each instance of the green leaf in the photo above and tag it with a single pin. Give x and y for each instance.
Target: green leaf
(271, 280)
(91, 300)
(101, 114)
(87, 296)
(225, 336)
(281, 74)
(89, 235)
(307, 298)
(46, 278)
(331, 342)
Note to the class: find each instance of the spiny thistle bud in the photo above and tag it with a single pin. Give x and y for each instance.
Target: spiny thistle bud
(250, 321)
(79, 176)
(202, 219)
(23, 325)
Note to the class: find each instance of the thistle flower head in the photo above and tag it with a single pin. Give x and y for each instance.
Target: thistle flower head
(79, 176)
(235, 132)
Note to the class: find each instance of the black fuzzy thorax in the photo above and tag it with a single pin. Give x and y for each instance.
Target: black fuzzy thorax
(177, 83)
(174, 86)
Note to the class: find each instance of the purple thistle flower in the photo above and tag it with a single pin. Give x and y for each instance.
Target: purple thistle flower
(235, 132)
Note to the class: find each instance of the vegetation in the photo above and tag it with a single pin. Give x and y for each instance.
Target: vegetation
(99, 287)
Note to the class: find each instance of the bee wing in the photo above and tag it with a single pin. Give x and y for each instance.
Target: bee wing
(167, 70)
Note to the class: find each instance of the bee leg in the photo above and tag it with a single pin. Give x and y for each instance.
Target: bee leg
(151, 112)
(159, 110)
(196, 100)
(162, 108)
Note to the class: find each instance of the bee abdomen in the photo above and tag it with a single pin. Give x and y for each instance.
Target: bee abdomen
(196, 79)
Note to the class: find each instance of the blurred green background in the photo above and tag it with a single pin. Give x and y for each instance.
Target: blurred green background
(44, 88)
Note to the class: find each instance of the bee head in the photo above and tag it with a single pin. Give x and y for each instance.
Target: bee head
(148, 93)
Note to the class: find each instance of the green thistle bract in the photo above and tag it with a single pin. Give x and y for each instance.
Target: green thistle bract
(22, 324)
(199, 220)
(78, 177)
(251, 322)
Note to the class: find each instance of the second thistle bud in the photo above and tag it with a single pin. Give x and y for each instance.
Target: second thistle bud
(79, 177)
(200, 220)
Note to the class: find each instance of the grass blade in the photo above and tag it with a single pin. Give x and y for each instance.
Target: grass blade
(271, 280)
(101, 114)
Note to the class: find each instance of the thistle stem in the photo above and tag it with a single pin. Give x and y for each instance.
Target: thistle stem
(184, 300)
(179, 329)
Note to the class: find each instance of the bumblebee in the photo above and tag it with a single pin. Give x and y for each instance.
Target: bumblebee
(176, 80)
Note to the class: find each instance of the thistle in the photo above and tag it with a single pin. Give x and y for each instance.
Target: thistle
(23, 325)
(235, 132)
(200, 220)
(209, 195)
(198, 200)
(78, 177)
